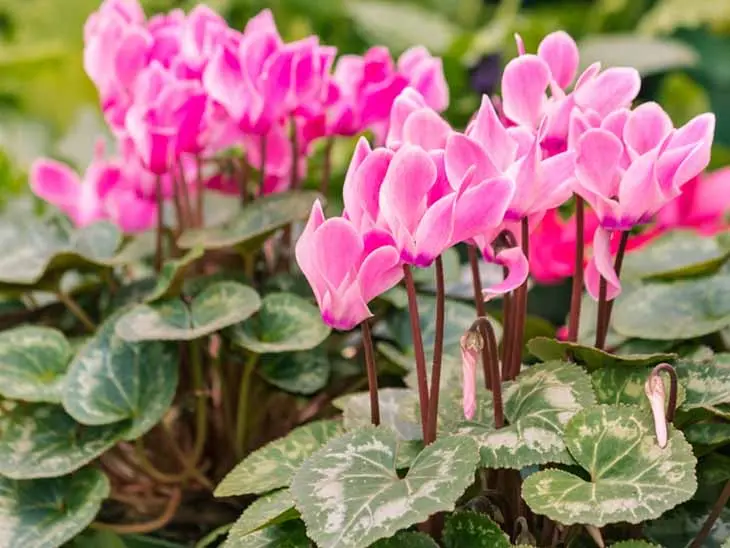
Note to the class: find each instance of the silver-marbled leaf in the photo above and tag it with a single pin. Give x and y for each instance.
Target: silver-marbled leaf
(707, 384)
(271, 509)
(290, 534)
(625, 385)
(474, 530)
(349, 492)
(172, 276)
(356, 411)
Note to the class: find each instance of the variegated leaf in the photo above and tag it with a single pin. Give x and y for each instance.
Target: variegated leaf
(680, 526)
(620, 384)
(45, 513)
(218, 306)
(271, 509)
(473, 530)
(356, 411)
(708, 433)
(407, 539)
(632, 479)
(290, 534)
(707, 384)
(634, 544)
(304, 372)
(273, 466)
(33, 363)
(111, 380)
(537, 406)
(285, 323)
(171, 278)
(41, 440)
(349, 493)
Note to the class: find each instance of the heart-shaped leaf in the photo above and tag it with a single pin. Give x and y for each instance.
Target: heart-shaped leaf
(407, 539)
(632, 479)
(111, 380)
(285, 323)
(537, 406)
(255, 222)
(299, 372)
(625, 385)
(33, 362)
(713, 469)
(679, 310)
(707, 384)
(290, 534)
(356, 411)
(41, 440)
(708, 433)
(172, 276)
(634, 544)
(216, 307)
(680, 526)
(43, 513)
(276, 507)
(340, 509)
(590, 357)
(473, 530)
(273, 466)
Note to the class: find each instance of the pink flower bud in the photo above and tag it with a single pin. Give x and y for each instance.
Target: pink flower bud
(654, 390)
(471, 343)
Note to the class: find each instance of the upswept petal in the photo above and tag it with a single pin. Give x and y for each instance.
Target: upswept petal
(481, 207)
(560, 52)
(597, 161)
(614, 88)
(518, 268)
(426, 129)
(380, 271)
(463, 154)
(646, 128)
(488, 130)
(524, 83)
(601, 265)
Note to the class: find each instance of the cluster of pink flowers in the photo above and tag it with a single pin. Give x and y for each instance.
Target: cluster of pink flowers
(431, 187)
(178, 89)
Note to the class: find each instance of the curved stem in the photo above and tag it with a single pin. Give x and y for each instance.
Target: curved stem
(479, 304)
(76, 310)
(673, 382)
(150, 469)
(160, 223)
(577, 289)
(491, 356)
(148, 526)
(605, 306)
(367, 343)
(438, 350)
(243, 393)
(201, 405)
(717, 509)
(418, 348)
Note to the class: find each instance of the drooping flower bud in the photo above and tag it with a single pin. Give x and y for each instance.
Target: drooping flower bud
(471, 344)
(654, 390)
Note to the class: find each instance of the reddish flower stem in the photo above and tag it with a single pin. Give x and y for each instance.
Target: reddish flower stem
(717, 509)
(438, 349)
(479, 304)
(367, 343)
(577, 289)
(490, 358)
(160, 222)
(605, 307)
(418, 348)
(200, 217)
(326, 167)
(262, 172)
(520, 311)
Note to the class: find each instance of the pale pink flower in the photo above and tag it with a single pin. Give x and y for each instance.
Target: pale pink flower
(655, 393)
(470, 345)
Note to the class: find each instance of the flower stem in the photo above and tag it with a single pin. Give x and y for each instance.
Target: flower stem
(438, 350)
(243, 393)
(160, 222)
(326, 167)
(519, 311)
(577, 289)
(76, 310)
(717, 509)
(490, 357)
(201, 407)
(200, 204)
(262, 171)
(147, 526)
(479, 304)
(367, 342)
(418, 348)
(244, 170)
(605, 306)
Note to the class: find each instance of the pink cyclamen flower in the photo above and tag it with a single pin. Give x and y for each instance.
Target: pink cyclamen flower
(629, 168)
(470, 345)
(413, 121)
(346, 269)
(425, 74)
(655, 393)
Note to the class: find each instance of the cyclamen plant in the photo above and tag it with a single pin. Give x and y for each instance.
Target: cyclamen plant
(194, 369)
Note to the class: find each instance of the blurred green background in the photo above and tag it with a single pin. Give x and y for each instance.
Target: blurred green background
(682, 48)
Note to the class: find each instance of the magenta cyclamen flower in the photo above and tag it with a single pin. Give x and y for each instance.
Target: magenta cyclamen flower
(346, 269)
(629, 168)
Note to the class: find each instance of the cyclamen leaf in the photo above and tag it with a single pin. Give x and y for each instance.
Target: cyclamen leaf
(708, 384)
(171, 278)
(276, 507)
(473, 530)
(349, 493)
(634, 544)
(679, 526)
(45, 513)
(632, 478)
(708, 433)
(625, 385)
(42, 441)
(33, 363)
(111, 380)
(356, 411)
(273, 466)
(407, 539)
(303, 372)
(290, 534)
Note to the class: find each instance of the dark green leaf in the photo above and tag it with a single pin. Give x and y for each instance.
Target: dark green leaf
(473, 530)
(679, 527)
(172, 276)
(407, 539)
(303, 372)
(708, 433)
(290, 534)
(271, 509)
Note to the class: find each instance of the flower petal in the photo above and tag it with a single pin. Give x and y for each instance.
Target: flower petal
(560, 52)
(524, 83)
(518, 268)
(463, 154)
(646, 128)
(614, 88)
(601, 266)
(488, 130)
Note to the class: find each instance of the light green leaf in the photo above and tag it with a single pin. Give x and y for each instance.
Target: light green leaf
(707, 384)
(666, 16)
(290, 534)
(400, 25)
(218, 306)
(473, 530)
(45, 513)
(590, 357)
(407, 539)
(110, 380)
(349, 493)
(255, 222)
(276, 507)
(537, 406)
(680, 310)
(393, 401)
(41, 440)
(679, 526)
(285, 323)
(632, 478)
(273, 466)
(172, 276)
(625, 385)
(708, 433)
(303, 372)
(33, 362)
(645, 54)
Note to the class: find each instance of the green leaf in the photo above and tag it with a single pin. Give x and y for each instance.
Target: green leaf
(666, 16)
(290, 534)
(473, 530)
(708, 433)
(340, 509)
(276, 507)
(400, 25)
(285, 323)
(111, 380)
(679, 527)
(631, 478)
(590, 357)
(303, 372)
(356, 411)
(407, 539)
(255, 222)
(33, 362)
(645, 54)
(713, 469)
(676, 254)
(707, 384)
(45, 513)
(624, 385)
(680, 310)
(634, 544)
(218, 306)
(172, 276)
(273, 466)
(41, 440)
(537, 406)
